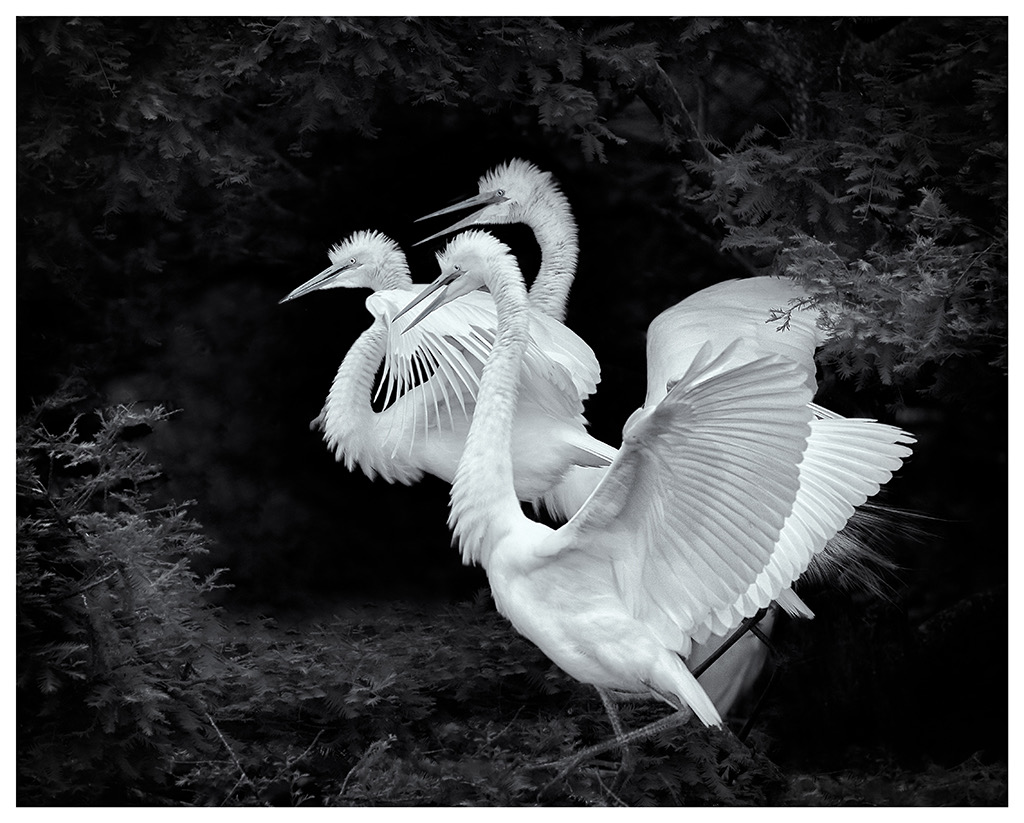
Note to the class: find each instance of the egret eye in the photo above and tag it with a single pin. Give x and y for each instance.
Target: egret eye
(457, 267)
(501, 192)
(352, 261)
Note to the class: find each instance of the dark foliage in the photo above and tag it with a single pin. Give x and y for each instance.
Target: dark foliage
(177, 176)
(885, 187)
(115, 644)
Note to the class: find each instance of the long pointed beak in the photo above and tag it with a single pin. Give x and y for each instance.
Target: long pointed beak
(441, 284)
(318, 282)
(476, 202)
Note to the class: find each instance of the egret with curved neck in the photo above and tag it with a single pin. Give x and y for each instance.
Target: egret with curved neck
(431, 377)
(725, 488)
(519, 192)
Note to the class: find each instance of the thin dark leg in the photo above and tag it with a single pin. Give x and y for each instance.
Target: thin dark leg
(760, 635)
(742, 736)
(754, 712)
(626, 763)
(742, 629)
(621, 739)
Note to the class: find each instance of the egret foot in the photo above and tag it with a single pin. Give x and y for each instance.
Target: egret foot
(602, 769)
(626, 763)
(622, 741)
(622, 738)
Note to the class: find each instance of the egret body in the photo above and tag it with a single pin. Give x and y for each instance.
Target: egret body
(724, 489)
(519, 192)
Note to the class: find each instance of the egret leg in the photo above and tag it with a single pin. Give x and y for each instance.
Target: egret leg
(573, 762)
(751, 625)
(626, 763)
(623, 739)
(742, 736)
(747, 625)
(668, 723)
(760, 635)
(759, 703)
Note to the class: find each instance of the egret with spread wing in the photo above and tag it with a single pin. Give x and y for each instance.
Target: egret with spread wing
(725, 487)
(519, 192)
(431, 376)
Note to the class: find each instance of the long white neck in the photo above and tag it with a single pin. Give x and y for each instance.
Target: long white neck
(348, 413)
(552, 222)
(484, 504)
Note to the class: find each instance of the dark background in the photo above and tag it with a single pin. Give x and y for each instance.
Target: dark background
(163, 211)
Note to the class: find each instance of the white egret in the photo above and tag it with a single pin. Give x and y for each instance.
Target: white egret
(519, 192)
(430, 381)
(725, 487)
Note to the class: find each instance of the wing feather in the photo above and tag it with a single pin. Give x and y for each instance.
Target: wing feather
(690, 511)
(459, 377)
(846, 462)
(436, 365)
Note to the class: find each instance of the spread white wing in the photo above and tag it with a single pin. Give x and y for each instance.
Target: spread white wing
(722, 494)
(691, 510)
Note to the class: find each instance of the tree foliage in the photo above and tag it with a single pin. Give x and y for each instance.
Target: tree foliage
(115, 641)
(894, 209)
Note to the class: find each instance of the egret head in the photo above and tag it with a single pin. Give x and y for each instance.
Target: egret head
(364, 260)
(509, 193)
(466, 265)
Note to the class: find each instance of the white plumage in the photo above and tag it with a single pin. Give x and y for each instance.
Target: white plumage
(725, 487)
(734, 313)
(431, 376)
(430, 379)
